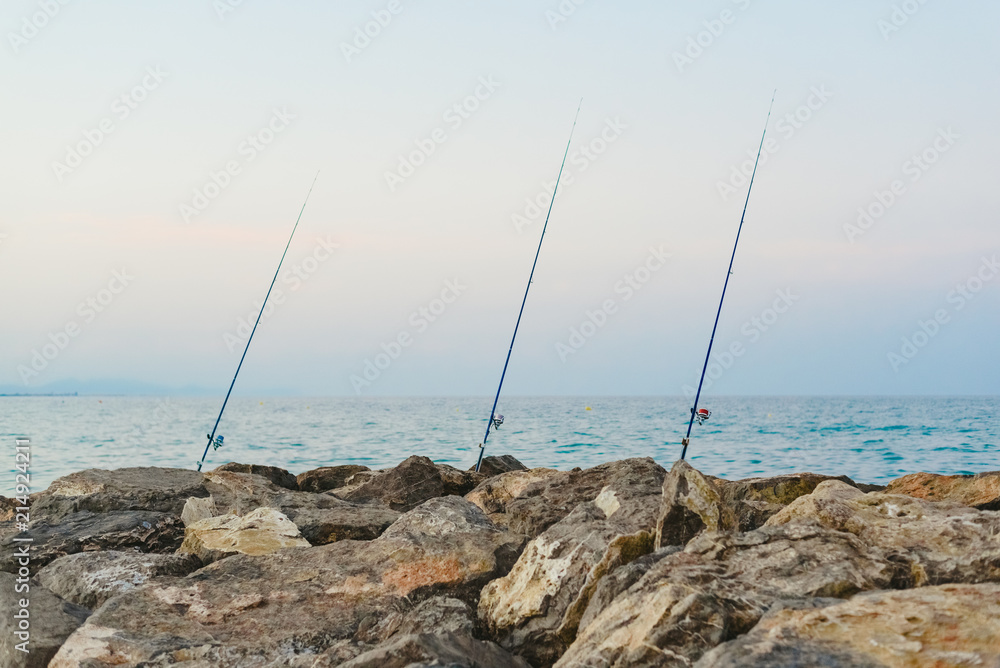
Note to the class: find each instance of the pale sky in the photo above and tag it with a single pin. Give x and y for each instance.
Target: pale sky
(121, 119)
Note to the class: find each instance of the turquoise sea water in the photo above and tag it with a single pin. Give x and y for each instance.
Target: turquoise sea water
(871, 439)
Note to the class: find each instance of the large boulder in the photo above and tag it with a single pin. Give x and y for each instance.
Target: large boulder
(156, 489)
(85, 531)
(690, 504)
(326, 478)
(535, 610)
(941, 542)
(409, 484)
(755, 500)
(51, 620)
(261, 531)
(90, 578)
(497, 464)
(321, 518)
(719, 586)
(278, 476)
(296, 604)
(495, 494)
(553, 497)
(980, 491)
(941, 627)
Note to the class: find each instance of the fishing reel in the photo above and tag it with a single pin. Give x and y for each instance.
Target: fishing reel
(702, 415)
(217, 443)
(497, 420)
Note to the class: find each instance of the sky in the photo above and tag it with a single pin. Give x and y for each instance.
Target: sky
(156, 155)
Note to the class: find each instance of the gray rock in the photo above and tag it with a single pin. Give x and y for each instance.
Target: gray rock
(327, 478)
(85, 531)
(553, 497)
(278, 476)
(939, 542)
(719, 586)
(259, 532)
(494, 494)
(89, 579)
(535, 610)
(98, 491)
(197, 509)
(620, 579)
(321, 518)
(942, 626)
(51, 620)
(245, 611)
(690, 504)
(447, 649)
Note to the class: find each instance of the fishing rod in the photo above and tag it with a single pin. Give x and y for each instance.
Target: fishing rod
(494, 420)
(218, 442)
(704, 414)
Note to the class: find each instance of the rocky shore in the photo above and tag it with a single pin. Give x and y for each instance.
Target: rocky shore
(625, 564)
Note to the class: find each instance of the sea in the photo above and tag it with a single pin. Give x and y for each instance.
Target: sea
(870, 439)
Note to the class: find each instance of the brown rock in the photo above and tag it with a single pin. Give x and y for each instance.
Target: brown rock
(326, 478)
(89, 579)
(85, 531)
(690, 504)
(940, 542)
(980, 491)
(278, 476)
(937, 627)
(718, 587)
(409, 484)
(755, 500)
(51, 620)
(162, 490)
(495, 465)
(297, 604)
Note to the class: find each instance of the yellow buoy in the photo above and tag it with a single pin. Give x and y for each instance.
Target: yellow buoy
(587, 408)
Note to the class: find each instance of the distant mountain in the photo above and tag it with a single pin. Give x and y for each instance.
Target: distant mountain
(112, 386)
